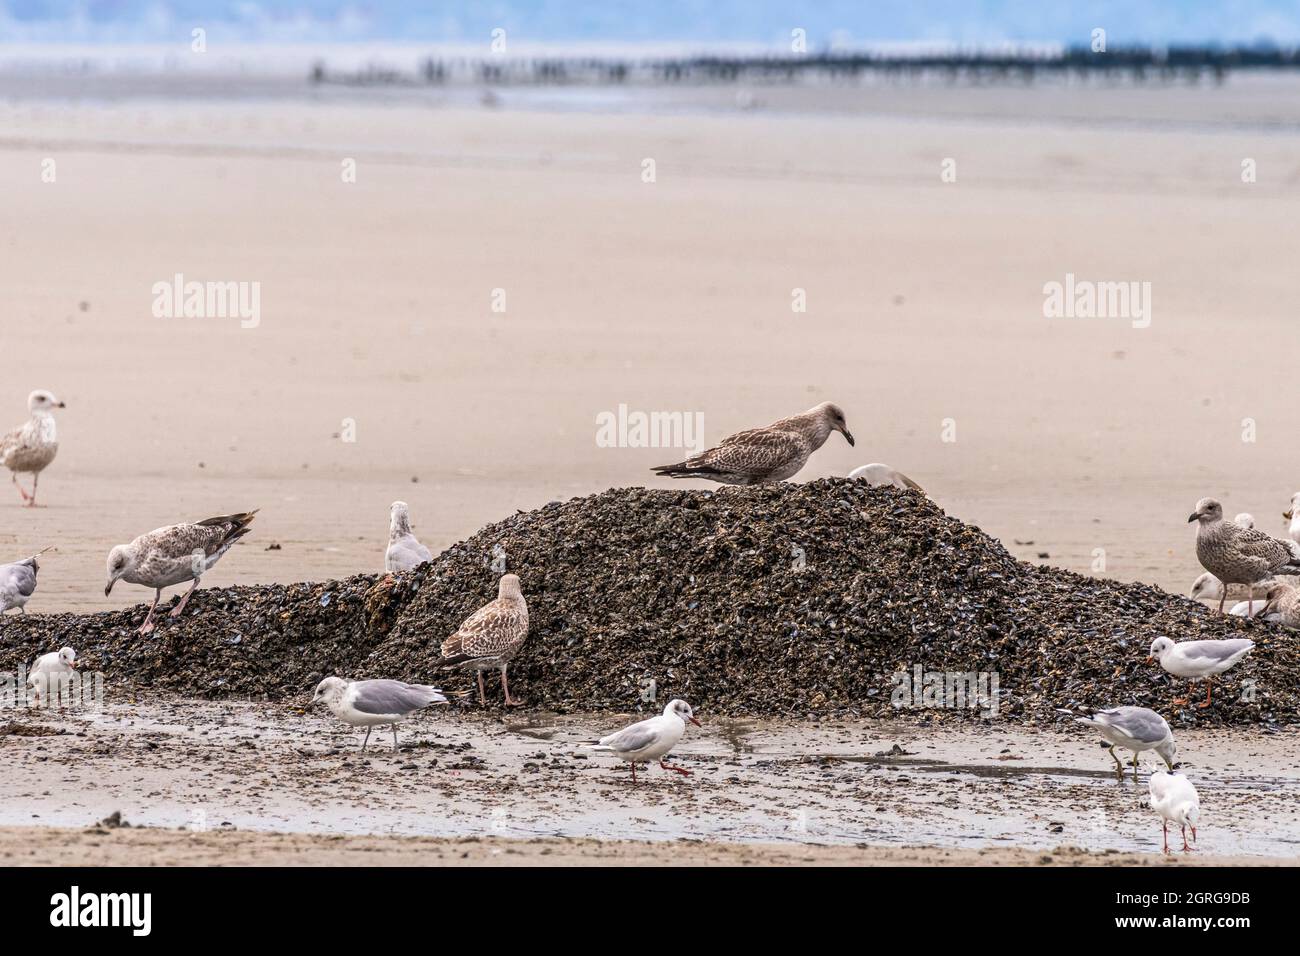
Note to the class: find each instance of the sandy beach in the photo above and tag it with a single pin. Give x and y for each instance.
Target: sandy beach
(924, 304)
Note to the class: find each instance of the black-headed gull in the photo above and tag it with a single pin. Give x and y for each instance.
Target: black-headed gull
(50, 669)
(404, 551)
(369, 703)
(651, 739)
(491, 636)
(173, 555)
(1175, 799)
(1237, 555)
(1196, 660)
(1134, 728)
(32, 446)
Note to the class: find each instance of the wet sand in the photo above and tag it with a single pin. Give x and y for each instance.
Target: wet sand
(842, 792)
(925, 303)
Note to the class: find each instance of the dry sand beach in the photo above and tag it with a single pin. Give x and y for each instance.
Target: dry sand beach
(1081, 443)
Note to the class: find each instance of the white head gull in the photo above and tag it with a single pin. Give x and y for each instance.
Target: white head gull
(48, 671)
(1197, 660)
(1175, 799)
(404, 551)
(32, 446)
(651, 739)
(369, 703)
(1209, 588)
(880, 475)
(173, 555)
(1136, 729)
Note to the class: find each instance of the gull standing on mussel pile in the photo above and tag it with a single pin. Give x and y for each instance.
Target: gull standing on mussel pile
(404, 551)
(1134, 728)
(651, 739)
(173, 555)
(32, 446)
(369, 703)
(491, 636)
(1199, 659)
(1237, 555)
(762, 455)
(18, 583)
(1175, 799)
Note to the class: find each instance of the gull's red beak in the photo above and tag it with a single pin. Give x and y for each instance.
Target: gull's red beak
(1151, 660)
(695, 722)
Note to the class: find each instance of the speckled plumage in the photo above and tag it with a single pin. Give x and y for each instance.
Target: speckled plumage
(491, 636)
(1237, 555)
(29, 448)
(761, 455)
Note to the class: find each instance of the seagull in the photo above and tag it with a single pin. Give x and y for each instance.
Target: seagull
(1237, 555)
(1136, 729)
(18, 583)
(173, 555)
(404, 552)
(1245, 519)
(1175, 799)
(51, 668)
(1283, 605)
(651, 739)
(31, 447)
(1292, 514)
(1209, 588)
(878, 475)
(491, 636)
(1247, 609)
(368, 703)
(762, 455)
(1197, 659)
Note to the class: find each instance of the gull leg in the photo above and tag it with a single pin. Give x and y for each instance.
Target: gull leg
(1135, 766)
(1223, 598)
(147, 626)
(1186, 848)
(510, 701)
(1209, 684)
(482, 697)
(36, 480)
(394, 726)
(367, 740)
(1164, 824)
(633, 771)
(21, 490)
(682, 770)
(1119, 764)
(176, 611)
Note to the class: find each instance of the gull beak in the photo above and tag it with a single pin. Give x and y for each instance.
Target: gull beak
(1286, 515)
(1150, 659)
(108, 588)
(61, 405)
(1193, 516)
(848, 437)
(694, 721)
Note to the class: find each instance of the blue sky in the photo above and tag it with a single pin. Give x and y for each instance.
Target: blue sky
(698, 21)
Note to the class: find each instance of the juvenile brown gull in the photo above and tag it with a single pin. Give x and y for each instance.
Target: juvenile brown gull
(48, 671)
(1283, 605)
(32, 446)
(173, 555)
(1134, 728)
(762, 455)
(878, 475)
(1199, 659)
(491, 636)
(1237, 555)
(404, 552)
(1176, 800)
(651, 739)
(369, 703)
(18, 583)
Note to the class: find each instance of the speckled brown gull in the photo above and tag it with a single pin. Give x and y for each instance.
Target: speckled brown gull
(369, 703)
(404, 551)
(762, 455)
(173, 555)
(1195, 660)
(31, 447)
(491, 636)
(1136, 729)
(1237, 555)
